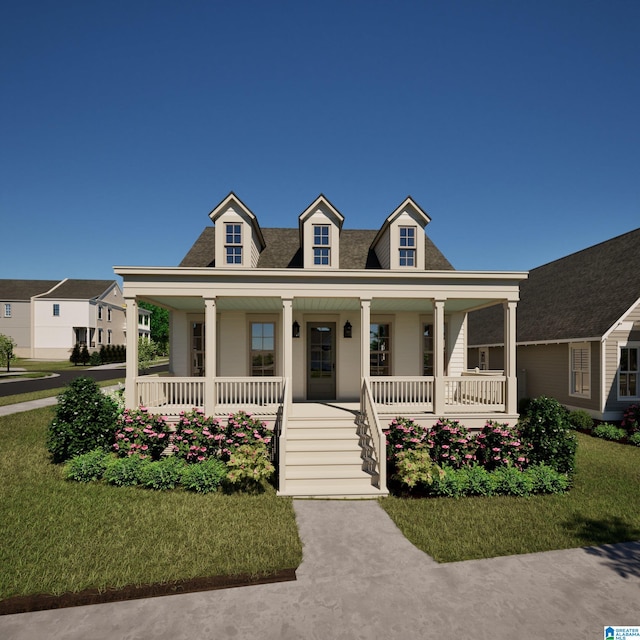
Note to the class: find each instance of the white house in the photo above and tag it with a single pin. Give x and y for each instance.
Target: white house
(47, 318)
(318, 325)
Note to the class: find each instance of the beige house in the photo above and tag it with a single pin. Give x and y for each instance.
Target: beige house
(329, 332)
(46, 318)
(578, 337)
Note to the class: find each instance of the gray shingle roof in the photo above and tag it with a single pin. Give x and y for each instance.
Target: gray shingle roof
(24, 289)
(579, 296)
(283, 250)
(80, 289)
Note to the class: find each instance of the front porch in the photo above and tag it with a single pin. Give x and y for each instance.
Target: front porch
(332, 449)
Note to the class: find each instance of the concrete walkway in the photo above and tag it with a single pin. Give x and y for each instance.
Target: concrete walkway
(360, 578)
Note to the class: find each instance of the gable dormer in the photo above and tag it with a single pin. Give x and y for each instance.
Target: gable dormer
(400, 242)
(238, 237)
(320, 225)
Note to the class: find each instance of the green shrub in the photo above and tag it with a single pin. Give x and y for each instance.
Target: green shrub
(87, 467)
(513, 482)
(124, 472)
(609, 432)
(94, 359)
(635, 439)
(452, 483)
(249, 466)
(163, 474)
(480, 482)
(204, 477)
(545, 427)
(414, 467)
(85, 420)
(547, 480)
(581, 419)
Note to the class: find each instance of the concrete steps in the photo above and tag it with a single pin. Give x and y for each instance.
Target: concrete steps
(324, 457)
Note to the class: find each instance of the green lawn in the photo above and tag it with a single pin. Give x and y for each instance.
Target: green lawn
(60, 536)
(603, 507)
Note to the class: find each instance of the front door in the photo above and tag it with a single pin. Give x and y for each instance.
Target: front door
(321, 361)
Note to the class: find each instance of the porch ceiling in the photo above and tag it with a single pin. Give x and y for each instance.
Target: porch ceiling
(321, 304)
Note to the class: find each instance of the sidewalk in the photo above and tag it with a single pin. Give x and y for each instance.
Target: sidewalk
(361, 579)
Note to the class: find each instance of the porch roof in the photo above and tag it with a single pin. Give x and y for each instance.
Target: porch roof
(184, 288)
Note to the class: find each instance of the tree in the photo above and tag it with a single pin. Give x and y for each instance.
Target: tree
(147, 353)
(159, 325)
(7, 345)
(84, 355)
(75, 354)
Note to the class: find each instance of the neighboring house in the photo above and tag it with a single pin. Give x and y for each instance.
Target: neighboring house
(578, 331)
(46, 318)
(272, 320)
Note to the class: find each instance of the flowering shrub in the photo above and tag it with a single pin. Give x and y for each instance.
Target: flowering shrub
(248, 466)
(451, 444)
(499, 445)
(85, 420)
(198, 438)
(631, 419)
(403, 434)
(544, 425)
(141, 434)
(414, 467)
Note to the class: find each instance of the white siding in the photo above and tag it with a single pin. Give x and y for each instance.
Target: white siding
(320, 216)
(383, 249)
(456, 346)
(233, 355)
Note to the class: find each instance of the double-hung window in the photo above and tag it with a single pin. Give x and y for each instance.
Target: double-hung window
(407, 247)
(99, 312)
(233, 243)
(263, 349)
(628, 372)
(56, 309)
(7, 310)
(580, 365)
(321, 245)
(380, 349)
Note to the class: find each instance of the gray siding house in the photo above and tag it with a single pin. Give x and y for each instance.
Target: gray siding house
(578, 330)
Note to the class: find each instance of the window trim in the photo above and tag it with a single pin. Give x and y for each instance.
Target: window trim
(56, 310)
(7, 308)
(389, 351)
(321, 245)
(99, 312)
(574, 347)
(263, 321)
(628, 345)
(233, 244)
(407, 246)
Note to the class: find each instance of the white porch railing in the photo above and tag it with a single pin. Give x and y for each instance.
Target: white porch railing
(470, 392)
(372, 438)
(403, 392)
(171, 395)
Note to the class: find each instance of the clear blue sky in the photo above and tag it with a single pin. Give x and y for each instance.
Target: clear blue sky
(515, 124)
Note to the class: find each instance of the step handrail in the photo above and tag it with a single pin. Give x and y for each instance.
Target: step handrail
(370, 421)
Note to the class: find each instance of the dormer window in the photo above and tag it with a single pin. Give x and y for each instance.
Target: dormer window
(321, 245)
(233, 243)
(407, 246)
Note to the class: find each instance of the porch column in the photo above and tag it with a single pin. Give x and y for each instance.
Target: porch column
(210, 348)
(287, 339)
(130, 392)
(365, 335)
(438, 357)
(511, 400)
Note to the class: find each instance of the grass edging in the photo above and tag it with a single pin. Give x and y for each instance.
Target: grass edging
(42, 602)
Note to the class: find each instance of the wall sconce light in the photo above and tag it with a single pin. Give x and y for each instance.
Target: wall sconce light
(295, 330)
(347, 329)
